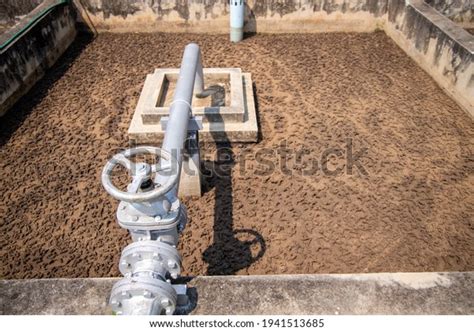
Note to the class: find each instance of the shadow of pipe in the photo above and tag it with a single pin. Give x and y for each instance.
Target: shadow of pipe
(232, 249)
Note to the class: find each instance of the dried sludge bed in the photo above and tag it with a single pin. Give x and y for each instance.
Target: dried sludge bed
(411, 212)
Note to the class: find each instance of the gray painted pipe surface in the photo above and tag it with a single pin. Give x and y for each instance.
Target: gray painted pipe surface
(190, 81)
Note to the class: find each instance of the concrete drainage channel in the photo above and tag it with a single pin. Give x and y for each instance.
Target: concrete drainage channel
(153, 214)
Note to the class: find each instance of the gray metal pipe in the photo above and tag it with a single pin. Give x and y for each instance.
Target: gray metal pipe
(190, 81)
(153, 213)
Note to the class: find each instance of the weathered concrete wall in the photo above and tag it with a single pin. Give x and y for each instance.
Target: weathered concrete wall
(11, 10)
(460, 11)
(438, 45)
(212, 15)
(26, 60)
(385, 293)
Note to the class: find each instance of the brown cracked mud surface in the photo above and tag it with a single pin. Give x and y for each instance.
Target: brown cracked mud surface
(412, 211)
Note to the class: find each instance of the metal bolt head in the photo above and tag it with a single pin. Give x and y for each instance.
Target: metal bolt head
(157, 218)
(147, 294)
(116, 304)
(166, 205)
(165, 302)
(125, 264)
(137, 256)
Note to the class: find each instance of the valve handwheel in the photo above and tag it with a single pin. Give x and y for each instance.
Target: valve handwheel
(141, 173)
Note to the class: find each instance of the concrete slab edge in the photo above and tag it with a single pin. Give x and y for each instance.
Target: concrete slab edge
(318, 294)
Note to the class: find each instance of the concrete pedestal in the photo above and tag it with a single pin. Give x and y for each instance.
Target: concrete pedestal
(190, 179)
(232, 119)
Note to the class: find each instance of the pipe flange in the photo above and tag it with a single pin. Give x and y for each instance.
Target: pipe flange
(150, 256)
(144, 222)
(143, 296)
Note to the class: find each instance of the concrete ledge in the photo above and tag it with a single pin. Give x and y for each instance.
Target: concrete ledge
(26, 60)
(385, 293)
(459, 11)
(443, 49)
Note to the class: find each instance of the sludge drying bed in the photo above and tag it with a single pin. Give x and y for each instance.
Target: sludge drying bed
(411, 211)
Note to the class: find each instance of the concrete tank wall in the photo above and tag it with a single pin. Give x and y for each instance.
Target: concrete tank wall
(438, 45)
(213, 15)
(12, 9)
(25, 60)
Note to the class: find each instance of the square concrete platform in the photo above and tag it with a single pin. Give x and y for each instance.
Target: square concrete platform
(229, 117)
(228, 106)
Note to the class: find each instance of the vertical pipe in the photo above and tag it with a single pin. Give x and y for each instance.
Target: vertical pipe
(237, 8)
